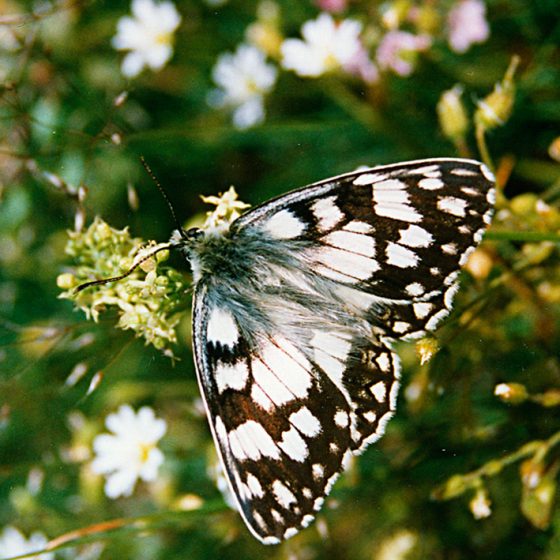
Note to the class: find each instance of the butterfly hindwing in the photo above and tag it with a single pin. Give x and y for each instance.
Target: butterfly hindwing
(286, 425)
(295, 307)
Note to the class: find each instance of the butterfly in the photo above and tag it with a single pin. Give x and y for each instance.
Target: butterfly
(296, 305)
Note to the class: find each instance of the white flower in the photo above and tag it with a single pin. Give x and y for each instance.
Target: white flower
(327, 46)
(148, 35)
(467, 25)
(480, 505)
(244, 78)
(397, 51)
(130, 452)
(13, 543)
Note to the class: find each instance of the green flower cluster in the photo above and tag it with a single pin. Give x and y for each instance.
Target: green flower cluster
(149, 301)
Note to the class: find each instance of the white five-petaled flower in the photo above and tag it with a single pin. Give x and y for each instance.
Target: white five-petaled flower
(467, 25)
(244, 77)
(13, 543)
(130, 452)
(148, 35)
(327, 46)
(397, 51)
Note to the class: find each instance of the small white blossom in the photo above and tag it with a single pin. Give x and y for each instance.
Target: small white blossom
(148, 35)
(130, 452)
(397, 51)
(327, 46)
(244, 78)
(467, 25)
(13, 543)
(480, 505)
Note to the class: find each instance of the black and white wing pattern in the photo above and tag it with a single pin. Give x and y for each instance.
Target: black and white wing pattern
(296, 305)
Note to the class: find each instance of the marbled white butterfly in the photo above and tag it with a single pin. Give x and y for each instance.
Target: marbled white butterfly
(296, 303)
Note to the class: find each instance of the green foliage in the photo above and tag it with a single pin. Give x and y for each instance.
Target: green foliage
(468, 467)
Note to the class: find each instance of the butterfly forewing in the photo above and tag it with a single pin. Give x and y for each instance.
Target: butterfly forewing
(293, 323)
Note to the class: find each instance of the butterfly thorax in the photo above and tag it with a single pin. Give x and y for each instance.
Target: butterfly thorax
(238, 267)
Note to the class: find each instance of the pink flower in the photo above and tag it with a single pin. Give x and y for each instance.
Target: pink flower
(333, 6)
(467, 25)
(397, 51)
(360, 65)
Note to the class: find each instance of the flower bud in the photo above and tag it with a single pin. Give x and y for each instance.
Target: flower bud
(512, 393)
(66, 281)
(495, 109)
(453, 118)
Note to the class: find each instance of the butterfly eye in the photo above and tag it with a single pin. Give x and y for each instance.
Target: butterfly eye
(194, 233)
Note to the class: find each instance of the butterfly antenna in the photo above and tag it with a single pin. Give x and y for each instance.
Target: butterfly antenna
(127, 273)
(164, 194)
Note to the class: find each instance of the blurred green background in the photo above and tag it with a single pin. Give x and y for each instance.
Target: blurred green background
(70, 143)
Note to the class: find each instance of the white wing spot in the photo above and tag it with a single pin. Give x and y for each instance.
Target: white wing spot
(451, 278)
(255, 486)
(221, 432)
(270, 386)
(354, 242)
(341, 418)
(251, 441)
(432, 323)
(383, 362)
(290, 532)
(293, 445)
(284, 225)
(391, 201)
(284, 496)
(261, 398)
(453, 205)
(487, 216)
(333, 448)
(334, 275)
(450, 248)
(430, 184)
(414, 289)
(307, 493)
(422, 309)
(307, 519)
(350, 264)
(277, 517)
(426, 170)
(379, 391)
(449, 295)
(231, 376)
(367, 179)
(434, 271)
(415, 236)
(318, 503)
(305, 422)
(327, 213)
(469, 191)
(487, 173)
(370, 416)
(358, 227)
(400, 327)
(477, 235)
(221, 328)
(279, 375)
(400, 256)
(318, 471)
(461, 172)
(260, 522)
